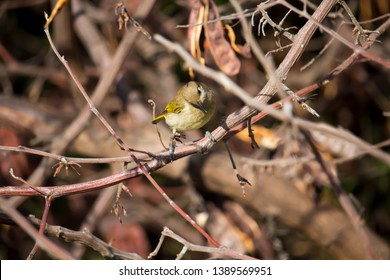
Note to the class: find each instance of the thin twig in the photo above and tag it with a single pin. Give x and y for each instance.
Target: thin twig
(245, 13)
(275, 80)
(254, 144)
(361, 51)
(86, 238)
(320, 53)
(277, 162)
(188, 246)
(48, 201)
(240, 179)
(73, 160)
(266, 19)
(41, 192)
(153, 104)
(361, 33)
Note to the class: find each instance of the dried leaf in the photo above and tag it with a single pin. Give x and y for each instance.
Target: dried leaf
(195, 28)
(194, 31)
(222, 52)
(57, 8)
(244, 51)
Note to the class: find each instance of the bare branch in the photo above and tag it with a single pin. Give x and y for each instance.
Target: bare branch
(86, 238)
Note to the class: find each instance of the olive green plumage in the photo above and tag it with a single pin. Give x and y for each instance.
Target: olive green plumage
(191, 108)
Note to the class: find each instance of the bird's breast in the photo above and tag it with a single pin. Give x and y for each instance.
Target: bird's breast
(187, 119)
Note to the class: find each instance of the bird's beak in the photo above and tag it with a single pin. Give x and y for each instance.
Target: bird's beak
(200, 106)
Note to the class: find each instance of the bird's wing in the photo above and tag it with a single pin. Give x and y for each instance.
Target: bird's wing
(172, 107)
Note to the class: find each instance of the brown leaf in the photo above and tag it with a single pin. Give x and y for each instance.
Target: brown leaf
(195, 28)
(194, 31)
(222, 52)
(57, 8)
(244, 51)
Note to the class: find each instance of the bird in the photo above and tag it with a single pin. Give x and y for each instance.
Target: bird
(192, 107)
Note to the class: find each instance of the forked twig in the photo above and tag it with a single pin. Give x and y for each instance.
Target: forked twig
(361, 34)
(48, 200)
(188, 246)
(124, 19)
(42, 193)
(359, 50)
(240, 179)
(76, 160)
(45, 214)
(86, 238)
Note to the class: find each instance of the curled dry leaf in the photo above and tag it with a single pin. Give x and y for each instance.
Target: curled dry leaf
(222, 52)
(244, 51)
(194, 31)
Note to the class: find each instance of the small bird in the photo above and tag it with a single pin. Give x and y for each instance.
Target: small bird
(191, 108)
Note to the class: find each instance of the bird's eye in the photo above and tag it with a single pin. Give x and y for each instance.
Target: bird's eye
(199, 90)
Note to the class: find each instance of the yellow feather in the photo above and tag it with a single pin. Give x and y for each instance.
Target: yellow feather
(172, 107)
(159, 118)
